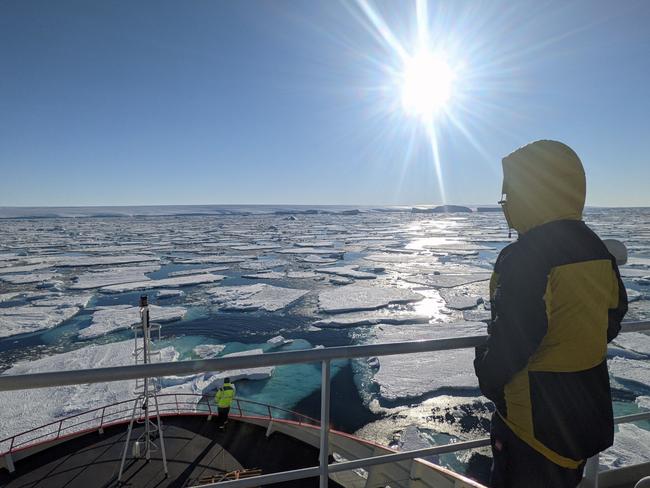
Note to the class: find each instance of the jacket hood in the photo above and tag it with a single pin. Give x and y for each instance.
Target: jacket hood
(542, 182)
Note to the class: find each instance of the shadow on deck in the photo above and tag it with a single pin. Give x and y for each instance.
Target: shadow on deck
(195, 450)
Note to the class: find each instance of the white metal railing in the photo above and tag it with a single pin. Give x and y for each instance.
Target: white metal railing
(325, 356)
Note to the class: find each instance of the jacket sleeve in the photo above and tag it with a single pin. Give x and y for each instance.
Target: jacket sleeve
(519, 325)
(619, 310)
(218, 395)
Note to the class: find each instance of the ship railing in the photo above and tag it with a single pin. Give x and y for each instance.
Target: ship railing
(170, 404)
(322, 355)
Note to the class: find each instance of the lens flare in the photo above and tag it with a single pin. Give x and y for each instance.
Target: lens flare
(427, 84)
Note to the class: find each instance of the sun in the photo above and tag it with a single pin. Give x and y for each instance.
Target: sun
(427, 83)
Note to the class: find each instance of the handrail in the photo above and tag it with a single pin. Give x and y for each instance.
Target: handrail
(57, 429)
(117, 373)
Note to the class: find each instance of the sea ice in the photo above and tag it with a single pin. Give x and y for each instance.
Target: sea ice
(634, 341)
(365, 319)
(265, 275)
(278, 341)
(29, 318)
(24, 279)
(259, 296)
(459, 300)
(203, 383)
(207, 351)
(118, 317)
(302, 274)
(350, 271)
(211, 259)
(356, 297)
(63, 301)
(340, 281)
(97, 279)
(643, 402)
(163, 283)
(26, 409)
(169, 293)
(194, 271)
(310, 251)
(263, 264)
(313, 259)
(79, 261)
(447, 280)
(630, 370)
(630, 447)
(413, 375)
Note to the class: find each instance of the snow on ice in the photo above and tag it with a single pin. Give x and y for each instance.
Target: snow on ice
(259, 296)
(357, 297)
(118, 317)
(163, 283)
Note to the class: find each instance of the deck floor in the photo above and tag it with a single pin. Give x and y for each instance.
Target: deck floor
(195, 449)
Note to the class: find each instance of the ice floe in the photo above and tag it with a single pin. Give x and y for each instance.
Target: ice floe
(259, 296)
(631, 370)
(29, 318)
(118, 317)
(186, 272)
(204, 383)
(313, 259)
(207, 351)
(350, 271)
(413, 375)
(447, 280)
(23, 279)
(278, 341)
(26, 409)
(634, 341)
(365, 319)
(459, 300)
(630, 447)
(169, 293)
(163, 283)
(82, 261)
(211, 259)
(356, 297)
(98, 279)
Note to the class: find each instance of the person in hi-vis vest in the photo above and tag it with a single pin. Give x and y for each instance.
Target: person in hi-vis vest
(223, 398)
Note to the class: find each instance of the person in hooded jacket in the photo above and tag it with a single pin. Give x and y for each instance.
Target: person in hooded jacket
(557, 299)
(223, 398)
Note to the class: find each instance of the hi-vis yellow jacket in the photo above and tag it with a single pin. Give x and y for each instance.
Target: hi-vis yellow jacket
(557, 300)
(225, 395)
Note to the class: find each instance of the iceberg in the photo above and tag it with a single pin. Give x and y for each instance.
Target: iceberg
(356, 297)
(118, 317)
(259, 296)
(163, 283)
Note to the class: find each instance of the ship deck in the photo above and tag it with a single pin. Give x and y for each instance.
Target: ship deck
(195, 450)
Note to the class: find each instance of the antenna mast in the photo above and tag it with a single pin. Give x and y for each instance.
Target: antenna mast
(146, 399)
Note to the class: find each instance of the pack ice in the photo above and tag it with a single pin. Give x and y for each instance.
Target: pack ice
(195, 279)
(352, 298)
(413, 375)
(259, 296)
(117, 317)
(26, 409)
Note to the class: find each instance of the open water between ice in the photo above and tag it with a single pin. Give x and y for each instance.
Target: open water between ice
(233, 280)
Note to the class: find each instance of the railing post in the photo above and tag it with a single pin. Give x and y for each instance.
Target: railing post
(591, 472)
(324, 423)
(58, 434)
(268, 407)
(101, 421)
(209, 407)
(241, 414)
(176, 400)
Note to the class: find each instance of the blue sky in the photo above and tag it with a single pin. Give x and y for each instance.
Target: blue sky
(297, 102)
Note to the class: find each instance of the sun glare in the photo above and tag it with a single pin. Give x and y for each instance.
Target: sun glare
(427, 84)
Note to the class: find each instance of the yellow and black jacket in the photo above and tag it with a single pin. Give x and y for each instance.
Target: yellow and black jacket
(557, 300)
